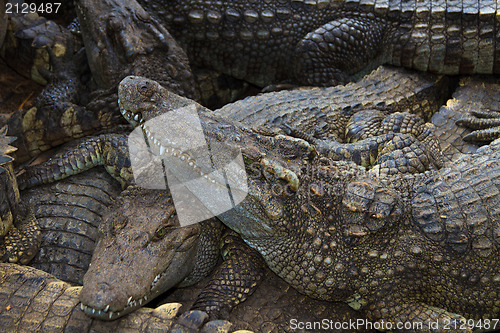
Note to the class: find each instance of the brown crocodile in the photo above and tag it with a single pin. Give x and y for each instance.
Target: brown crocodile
(419, 249)
(65, 247)
(483, 114)
(325, 42)
(389, 89)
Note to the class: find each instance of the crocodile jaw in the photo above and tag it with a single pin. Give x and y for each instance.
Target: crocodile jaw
(133, 262)
(115, 308)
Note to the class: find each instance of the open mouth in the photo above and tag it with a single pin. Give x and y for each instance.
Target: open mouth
(134, 119)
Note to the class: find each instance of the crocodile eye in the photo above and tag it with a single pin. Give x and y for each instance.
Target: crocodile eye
(163, 229)
(160, 233)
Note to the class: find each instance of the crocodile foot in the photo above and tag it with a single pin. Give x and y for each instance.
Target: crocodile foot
(234, 280)
(486, 126)
(64, 77)
(23, 241)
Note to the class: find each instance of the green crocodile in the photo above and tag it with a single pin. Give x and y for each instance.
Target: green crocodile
(69, 211)
(416, 248)
(111, 150)
(325, 42)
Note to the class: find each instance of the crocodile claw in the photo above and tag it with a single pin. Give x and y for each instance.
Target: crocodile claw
(486, 126)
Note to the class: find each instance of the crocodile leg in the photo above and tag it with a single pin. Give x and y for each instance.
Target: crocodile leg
(485, 124)
(234, 280)
(57, 116)
(22, 243)
(386, 154)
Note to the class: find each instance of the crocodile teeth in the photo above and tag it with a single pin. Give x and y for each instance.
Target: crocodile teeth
(110, 315)
(106, 308)
(129, 300)
(162, 150)
(136, 117)
(82, 306)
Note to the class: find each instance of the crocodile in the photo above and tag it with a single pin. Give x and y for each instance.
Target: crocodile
(417, 248)
(33, 301)
(391, 90)
(256, 313)
(64, 251)
(108, 303)
(142, 252)
(132, 43)
(19, 229)
(277, 307)
(326, 42)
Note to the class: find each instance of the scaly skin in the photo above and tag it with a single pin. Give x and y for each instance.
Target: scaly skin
(481, 98)
(181, 258)
(138, 46)
(276, 307)
(34, 301)
(110, 150)
(324, 42)
(69, 213)
(391, 152)
(27, 35)
(19, 229)
(155, 100)
(326, 111)
(78, 205)
(144, 252)
(420, 248)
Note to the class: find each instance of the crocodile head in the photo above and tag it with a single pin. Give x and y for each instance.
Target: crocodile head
(142, 252)
(268, 158)
(123, 40)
